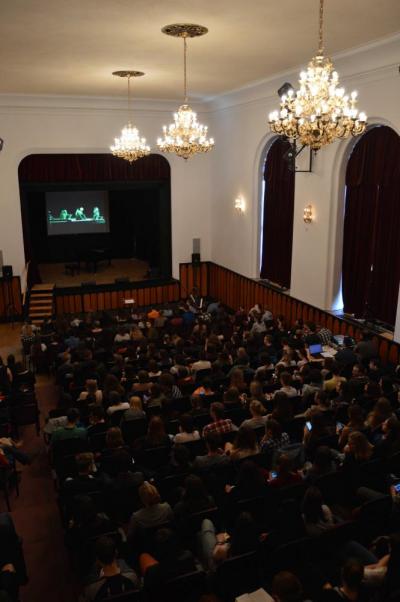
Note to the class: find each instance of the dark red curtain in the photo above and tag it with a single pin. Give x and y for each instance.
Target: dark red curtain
(91, 168)
(371, 245)
(276, 262)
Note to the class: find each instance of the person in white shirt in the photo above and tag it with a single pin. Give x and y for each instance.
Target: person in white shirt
(116, 403)
(187, 431)
(201, 364)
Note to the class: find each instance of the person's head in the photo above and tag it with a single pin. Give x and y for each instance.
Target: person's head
(315, 377)
(245, 438)
(286, 587)
(114, 438)
(232, 395)
(106, 551)
(372, 390)
(11, 360)
(256, 409)
(166, 381)
(84, 463)
(136, 403)
(217, 411)
(357, 371)
(97, 415)
(256, 390)
(186, 424)
(285, 379)
(323, 459)
(356, 416)
(73, 416)
(156, 430)
(194, 489)
(383, 408)
(180, 457)
(391, 428)
(237, 379)
(114, 398)
(312, 505)
(283, 465)
(359, 446)
(213, 442)
(273, 429)
(148, 494)
(143, 377)
(91, 386)
(352, 575)
(322, 399)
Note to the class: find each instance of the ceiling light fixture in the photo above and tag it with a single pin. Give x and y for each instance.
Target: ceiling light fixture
(320, 111)
(129, 145)
(186, 136)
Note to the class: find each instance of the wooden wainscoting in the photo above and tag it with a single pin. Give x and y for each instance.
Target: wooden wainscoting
(10, 299)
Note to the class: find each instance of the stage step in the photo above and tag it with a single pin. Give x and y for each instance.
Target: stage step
(41, 306)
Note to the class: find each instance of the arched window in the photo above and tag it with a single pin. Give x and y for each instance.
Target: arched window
(371, 237)
(277, 215)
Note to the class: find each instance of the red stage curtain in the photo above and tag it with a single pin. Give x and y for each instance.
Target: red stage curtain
(278, 215)
(371, 226)
(92, 168)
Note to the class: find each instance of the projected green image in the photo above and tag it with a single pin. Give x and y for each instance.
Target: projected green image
(76, 215)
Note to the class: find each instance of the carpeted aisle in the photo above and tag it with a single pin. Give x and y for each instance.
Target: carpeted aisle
(36, 517)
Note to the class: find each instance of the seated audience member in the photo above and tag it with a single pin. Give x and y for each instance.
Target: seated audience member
(156, 435)
(205, 388)
(244, 445)
(314, 386)
(321, 404)
(358, 449)
(153, 513)
(86, 480)
(351, 586)
(187, 431)
(346, 356)
(355, 423)
(319, 431)
(116, 403)
(390, 442)
(143, 384)
(316, 515)
(358, 379)
(237, 380)
(274, 438)
(250, 482)
(97, 421)
(71, 430)
(170, 560)
(382, 411)
(156, 399)
(111, 383)
(114, 444)
(215, 548)
(135, 410)
(232, 398)
(219, 423)
(285, 475)
(323, 464)
(258, 417)
(113, 576)
(331, 383)
(91, 394)
(215, 455)
(195, 498)
(283, 408)
(286, 588)
(286, 385)
(202, 363)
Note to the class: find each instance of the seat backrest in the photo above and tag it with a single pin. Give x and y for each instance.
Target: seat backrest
(133, 429)
(238, 575)
(135, 595)
(186, 587)
(154, 457)
(68, 447)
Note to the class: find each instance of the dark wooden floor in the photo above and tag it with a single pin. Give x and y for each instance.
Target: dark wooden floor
(134, 269)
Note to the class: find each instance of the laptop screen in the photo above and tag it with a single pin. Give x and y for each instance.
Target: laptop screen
(314, 349)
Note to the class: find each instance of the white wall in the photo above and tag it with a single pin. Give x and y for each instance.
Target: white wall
(240, 126)
(67, 125)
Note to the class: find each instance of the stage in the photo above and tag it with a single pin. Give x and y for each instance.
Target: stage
(134, 269)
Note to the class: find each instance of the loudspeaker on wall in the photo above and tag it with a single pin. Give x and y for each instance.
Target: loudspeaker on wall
(7, 271)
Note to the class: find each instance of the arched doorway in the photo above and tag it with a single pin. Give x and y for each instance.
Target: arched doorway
(277, 215)
(371, 241)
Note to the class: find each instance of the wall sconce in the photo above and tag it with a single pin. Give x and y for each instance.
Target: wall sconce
(308, 216)
(240, 204)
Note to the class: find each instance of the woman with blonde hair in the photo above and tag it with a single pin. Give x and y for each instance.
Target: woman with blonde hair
(358, 447)
(154, 511)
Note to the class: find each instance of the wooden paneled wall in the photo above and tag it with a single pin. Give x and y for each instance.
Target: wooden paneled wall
(10, 295)
(99, 300)
(235, 290)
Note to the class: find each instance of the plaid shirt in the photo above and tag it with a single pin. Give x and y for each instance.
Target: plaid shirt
(220, 426)
(325, 336)
(272, 444)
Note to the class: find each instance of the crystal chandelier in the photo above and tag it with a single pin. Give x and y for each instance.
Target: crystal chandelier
(129, 146)
(186, 136)
(320, 111)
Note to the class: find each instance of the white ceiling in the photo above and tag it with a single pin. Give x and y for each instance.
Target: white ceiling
(72, 46)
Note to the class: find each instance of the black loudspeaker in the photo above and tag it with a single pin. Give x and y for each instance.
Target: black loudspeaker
(122, 280)
(7, 271)
(196, 258)
(88, 283)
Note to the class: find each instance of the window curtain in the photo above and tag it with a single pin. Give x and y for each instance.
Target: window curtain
(279, 180)
(371, 243)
